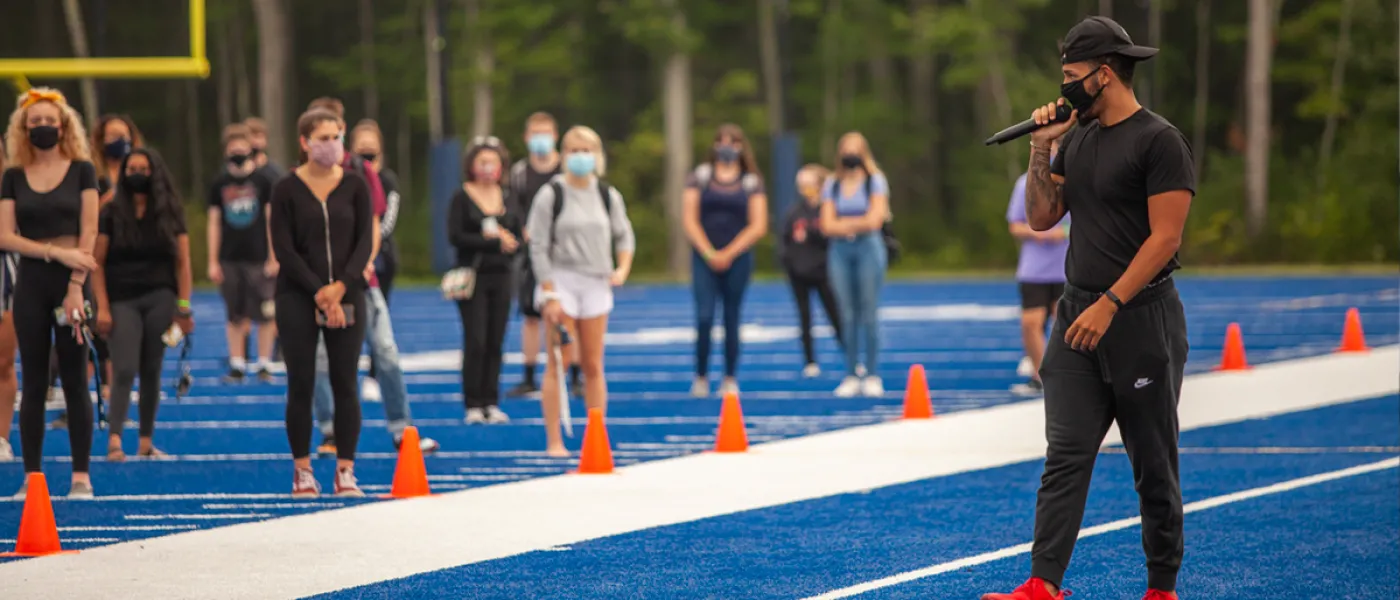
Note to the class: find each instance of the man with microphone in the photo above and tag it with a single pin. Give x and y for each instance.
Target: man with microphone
(1119, 347)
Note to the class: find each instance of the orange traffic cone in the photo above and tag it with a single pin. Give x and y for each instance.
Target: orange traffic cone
(411, 475)
(38, 532)
(916, 402)
(731, 437)
(1233, 358)
(596, 457)
(1353, 339)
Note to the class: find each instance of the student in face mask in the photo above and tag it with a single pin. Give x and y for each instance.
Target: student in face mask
(142, 286)
(241, 260)
(573, 244)
(114, 137)
(725, 212)
(257, 135)
(803, 251)
(527, 176)
(322, 225)
(54, 232)
(485, 227)
(855, 206)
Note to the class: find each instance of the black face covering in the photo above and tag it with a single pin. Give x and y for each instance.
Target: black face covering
(239, 159)
(368, 156)
(43, 137)
(851, 161)
(137, 183)
(1078, 97)
(117, 150)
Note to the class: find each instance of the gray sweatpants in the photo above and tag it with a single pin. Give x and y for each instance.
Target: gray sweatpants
(136, 348)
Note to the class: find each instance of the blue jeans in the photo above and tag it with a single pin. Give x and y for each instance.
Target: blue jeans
(379, 332)
(710, 287)
(856, 268)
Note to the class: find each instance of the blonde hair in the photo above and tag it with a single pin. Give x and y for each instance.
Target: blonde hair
(589, 138)
(73, 143)
(815, 170)
(871, 167)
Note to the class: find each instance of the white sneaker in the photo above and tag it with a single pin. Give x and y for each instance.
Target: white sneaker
(7, 453)
(496, 416)
(476, 416)
(370, 392)
(80, 491)
(56, 399)
(728, 386)
(872, 387)
(1024, 369)
(811, 371)
(848, 388)
(700, 388)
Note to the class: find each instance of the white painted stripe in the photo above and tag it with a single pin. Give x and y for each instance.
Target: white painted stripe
(289, 506)
(309, 554)
(201, 517)
(1279, 450)
(129, 528)
(1118, 525)
(67, 541)
(162, 497)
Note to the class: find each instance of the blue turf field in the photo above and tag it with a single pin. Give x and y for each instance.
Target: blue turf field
(233, 466)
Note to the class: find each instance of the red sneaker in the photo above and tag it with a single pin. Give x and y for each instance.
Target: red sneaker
(1032, 589)
(1159, 595)
(304, 484)
(345, 484)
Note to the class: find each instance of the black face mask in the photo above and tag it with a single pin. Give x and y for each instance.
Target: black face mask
(238, 159)
(1078, 97)
(368, 156)
(43, 137)
(852, 161)
(137, 183)
(117, 150)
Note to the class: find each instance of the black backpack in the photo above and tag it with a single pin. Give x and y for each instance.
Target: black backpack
(604, 192)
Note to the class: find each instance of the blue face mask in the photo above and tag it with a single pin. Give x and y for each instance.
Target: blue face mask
(541, 144)
(580, 164)
(727, 154)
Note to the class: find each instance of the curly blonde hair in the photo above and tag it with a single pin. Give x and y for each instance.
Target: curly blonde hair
(73, 140)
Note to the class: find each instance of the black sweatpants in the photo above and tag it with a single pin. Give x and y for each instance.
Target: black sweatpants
(484, 319)
(802, 289)
(297, 327)
(137, 326)
(1133, 377)
(40, 288)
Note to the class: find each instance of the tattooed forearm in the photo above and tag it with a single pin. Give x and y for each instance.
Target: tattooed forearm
(1044, 202)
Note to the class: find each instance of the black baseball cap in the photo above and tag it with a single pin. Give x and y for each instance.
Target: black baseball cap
(1100, 36)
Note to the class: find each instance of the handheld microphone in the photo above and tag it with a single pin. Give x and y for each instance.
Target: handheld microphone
(1062, 113)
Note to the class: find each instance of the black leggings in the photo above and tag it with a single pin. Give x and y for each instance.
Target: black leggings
(137, 326)
(40, 289)
(296, 326)
(802, 290)
(484, 319)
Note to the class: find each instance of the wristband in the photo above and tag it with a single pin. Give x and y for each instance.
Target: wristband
(182, 303)
(1112, 297)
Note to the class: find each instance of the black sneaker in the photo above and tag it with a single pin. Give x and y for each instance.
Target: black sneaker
(1032, 387)
(523, 390)
(235, 375)
(264, 375)
(576, 389)
(327, 447)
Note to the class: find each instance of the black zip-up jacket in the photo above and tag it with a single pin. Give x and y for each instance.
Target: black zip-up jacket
(807, 259)
(318, 243)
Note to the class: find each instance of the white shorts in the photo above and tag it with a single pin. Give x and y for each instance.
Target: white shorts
(580, 296)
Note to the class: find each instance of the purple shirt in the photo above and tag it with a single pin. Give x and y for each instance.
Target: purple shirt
(1041, 262)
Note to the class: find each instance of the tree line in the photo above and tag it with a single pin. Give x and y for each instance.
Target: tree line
(1290, 105)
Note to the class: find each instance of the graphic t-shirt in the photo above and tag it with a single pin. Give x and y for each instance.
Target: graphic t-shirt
(242, 203)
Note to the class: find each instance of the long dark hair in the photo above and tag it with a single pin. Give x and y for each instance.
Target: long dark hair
(162, 203)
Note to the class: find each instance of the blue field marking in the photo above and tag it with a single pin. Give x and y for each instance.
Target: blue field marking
(232, 451)
(805, 548)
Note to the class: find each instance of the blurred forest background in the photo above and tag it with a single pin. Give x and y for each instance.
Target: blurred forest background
(1291, 105)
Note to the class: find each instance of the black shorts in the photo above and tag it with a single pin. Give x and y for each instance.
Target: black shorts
(526, 296)
(1041, 295)
(247, 292)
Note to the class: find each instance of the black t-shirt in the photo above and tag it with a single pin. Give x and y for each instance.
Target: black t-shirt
(1110, 172)
(533, 181)
(133, 269)
(242, 203)
(57, 212)
(464, 231)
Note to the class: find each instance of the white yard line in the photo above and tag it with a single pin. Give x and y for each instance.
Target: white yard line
(1121, 524)
(321, 552)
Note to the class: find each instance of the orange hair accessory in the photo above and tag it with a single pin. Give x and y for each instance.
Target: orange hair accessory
(34, 96)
